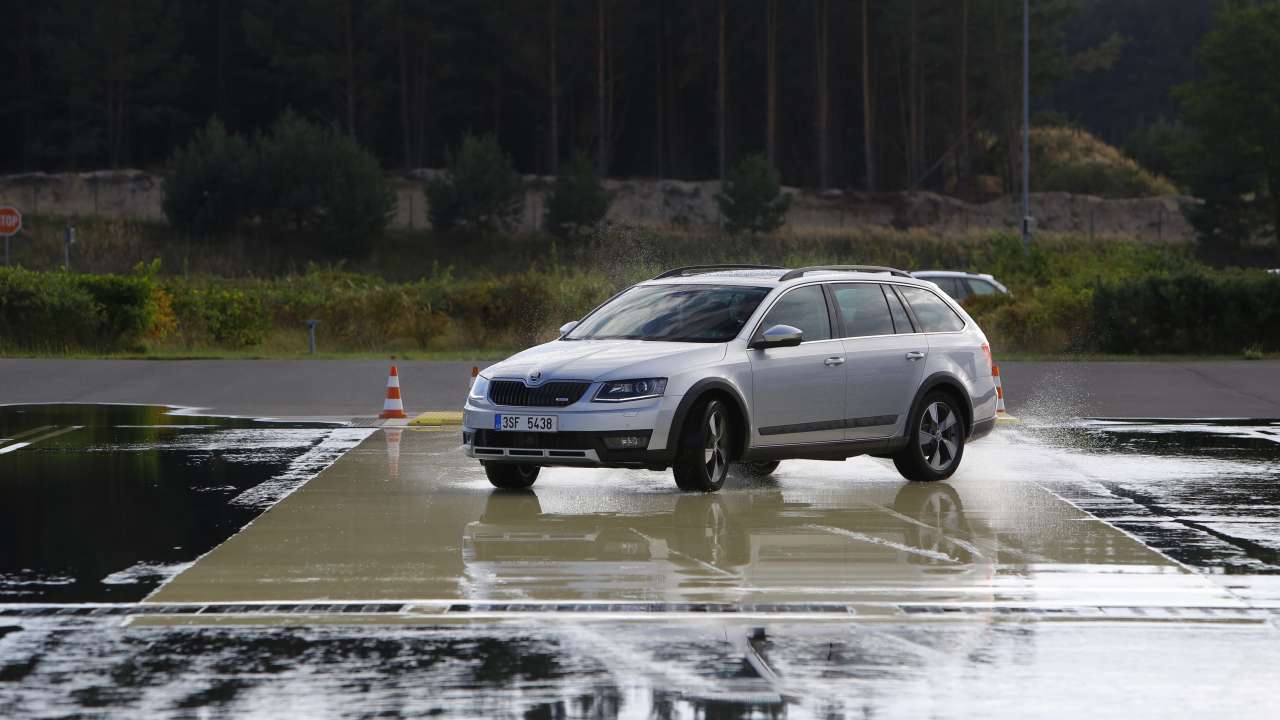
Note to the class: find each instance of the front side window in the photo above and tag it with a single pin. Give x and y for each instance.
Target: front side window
(934, 314)
(955, 287)
(804, 308)
(864, 309)
(673, 313)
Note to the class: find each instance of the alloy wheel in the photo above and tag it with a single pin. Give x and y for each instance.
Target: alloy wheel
(939, 436)
(716, 448)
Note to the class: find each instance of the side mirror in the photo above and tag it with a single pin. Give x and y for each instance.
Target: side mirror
(779, 336)
(568, 327)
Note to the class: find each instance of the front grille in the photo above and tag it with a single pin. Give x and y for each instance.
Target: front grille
(552, 394)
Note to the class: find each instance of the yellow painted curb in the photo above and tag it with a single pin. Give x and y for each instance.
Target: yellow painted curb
(438, 417)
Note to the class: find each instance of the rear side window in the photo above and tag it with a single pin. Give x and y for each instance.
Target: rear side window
(864, 309)
(804, 308)
(934, 314)
(982, 287)
(901, 321)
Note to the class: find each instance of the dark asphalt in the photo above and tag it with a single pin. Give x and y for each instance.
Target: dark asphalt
(349, 388)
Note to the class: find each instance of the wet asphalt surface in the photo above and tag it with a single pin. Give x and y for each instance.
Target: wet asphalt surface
(1070, 568)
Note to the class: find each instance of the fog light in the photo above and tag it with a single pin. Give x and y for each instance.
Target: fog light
(626, 442)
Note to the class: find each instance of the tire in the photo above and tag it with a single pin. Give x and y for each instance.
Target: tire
(935, 440)
(758, 469)
(511, 476)
(702, 462)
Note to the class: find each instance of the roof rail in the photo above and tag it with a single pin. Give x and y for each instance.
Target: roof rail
(800, 272)
(694, 269)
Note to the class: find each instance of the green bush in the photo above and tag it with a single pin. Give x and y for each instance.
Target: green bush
(210, 184)
(226, 317)
(753, 201)
(65, 312)
(1054, 319)
(1193, 312)
(300, 179)
(479, 190)
(577, 202)
(319, 182)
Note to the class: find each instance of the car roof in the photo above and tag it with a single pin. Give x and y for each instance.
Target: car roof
(772, 277)
(951, 273)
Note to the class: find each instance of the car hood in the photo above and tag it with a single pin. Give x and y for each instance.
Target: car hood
(597, 360)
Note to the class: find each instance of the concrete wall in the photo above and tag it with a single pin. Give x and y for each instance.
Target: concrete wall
(137, 194)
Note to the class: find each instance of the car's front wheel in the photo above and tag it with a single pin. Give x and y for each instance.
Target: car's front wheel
(935, 440)
(702, 462)
(511, 476)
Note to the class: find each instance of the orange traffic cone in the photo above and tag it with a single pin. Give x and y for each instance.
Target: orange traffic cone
(995, 374)
(474, 372)
(1001, 415)
(392, 407)
(393, 451)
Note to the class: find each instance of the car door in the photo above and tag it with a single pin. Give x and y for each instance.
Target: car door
(885, 359)
(798, 392)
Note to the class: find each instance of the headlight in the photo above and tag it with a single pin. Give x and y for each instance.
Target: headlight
(624, 390)
(480, 388)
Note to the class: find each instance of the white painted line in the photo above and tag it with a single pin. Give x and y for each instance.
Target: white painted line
(33, 441)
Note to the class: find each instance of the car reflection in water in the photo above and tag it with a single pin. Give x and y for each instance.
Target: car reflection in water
(882, 542)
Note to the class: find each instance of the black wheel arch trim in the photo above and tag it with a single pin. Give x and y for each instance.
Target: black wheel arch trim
(951, 382)
(692, 395)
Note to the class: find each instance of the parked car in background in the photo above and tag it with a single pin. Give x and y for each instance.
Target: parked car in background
(960, 285)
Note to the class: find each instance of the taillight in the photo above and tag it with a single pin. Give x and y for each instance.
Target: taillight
(986, 350)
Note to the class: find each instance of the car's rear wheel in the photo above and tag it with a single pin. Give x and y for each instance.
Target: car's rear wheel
(935, 440)
(758, 469)
(511, 476)
(702, 462)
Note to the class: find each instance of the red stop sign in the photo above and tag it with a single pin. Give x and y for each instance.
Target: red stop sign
(10, 221)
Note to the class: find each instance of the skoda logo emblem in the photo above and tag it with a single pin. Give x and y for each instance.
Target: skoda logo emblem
(535, 377)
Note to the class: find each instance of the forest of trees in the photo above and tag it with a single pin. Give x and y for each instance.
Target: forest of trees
(874, 94)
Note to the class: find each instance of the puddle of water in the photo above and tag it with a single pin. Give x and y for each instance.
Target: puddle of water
(105, 502)
(1205, 492)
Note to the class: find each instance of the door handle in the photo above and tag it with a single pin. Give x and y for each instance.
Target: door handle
(915, 355)
(833, 361)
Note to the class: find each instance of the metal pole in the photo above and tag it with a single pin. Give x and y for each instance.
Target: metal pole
(1026, 124)
(68, 239)
(311, 334)
(6, 251)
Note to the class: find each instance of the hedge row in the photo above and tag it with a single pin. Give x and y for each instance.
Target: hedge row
(59, 312)
(1189, 313)
(1197, 311)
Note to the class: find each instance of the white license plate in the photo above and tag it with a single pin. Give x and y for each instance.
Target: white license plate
(525, 423)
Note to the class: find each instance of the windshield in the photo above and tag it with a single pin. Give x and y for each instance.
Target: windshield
(673, 313)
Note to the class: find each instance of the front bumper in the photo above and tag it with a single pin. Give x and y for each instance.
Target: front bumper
(583, 429)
